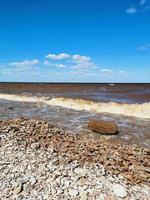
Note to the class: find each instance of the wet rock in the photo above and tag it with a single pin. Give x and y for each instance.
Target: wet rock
(103, 127)
(119, 190)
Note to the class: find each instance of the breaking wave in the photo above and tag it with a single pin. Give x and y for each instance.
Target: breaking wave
(135, 110)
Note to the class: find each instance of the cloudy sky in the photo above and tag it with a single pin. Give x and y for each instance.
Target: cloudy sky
(75, 40)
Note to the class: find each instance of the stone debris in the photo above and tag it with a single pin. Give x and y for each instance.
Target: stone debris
(103, 127)
(40, 161)
(18, 189)
(119, 190)
(73, 192)
(81, 171)
(83, 195)
(32, 180)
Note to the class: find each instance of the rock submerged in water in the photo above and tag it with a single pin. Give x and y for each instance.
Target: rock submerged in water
(103, 127)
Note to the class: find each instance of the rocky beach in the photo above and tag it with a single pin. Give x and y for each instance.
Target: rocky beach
(74, 100)
(38, 160)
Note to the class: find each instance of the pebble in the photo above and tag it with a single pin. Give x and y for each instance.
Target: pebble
(73, 192)
(46, 175)
(102, 197)
(18, 189)
(67, 183)
(119, 190)
(99, 186)
(83, 195)
(24, 180)
(33, 180)
(81, 171)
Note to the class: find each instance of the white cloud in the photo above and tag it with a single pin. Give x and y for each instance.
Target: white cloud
(75, 58)
(83, 65)
(47, 63)
(25, 63)
(58, 57)
(131, 10)
(61, 66)
(77, 66)
(82, 62)
(4, 70)
(142, 2)
(22, 68)
(80, 59)
(144, 47)
(75, 61)
(58, 65)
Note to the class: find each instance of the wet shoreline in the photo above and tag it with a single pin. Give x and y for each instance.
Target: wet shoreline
(73, 111)
(131, 130)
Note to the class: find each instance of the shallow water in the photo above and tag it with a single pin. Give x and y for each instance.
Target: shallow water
(73, 114)
(131, 130)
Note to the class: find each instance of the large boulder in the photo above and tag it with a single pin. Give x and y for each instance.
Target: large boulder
(103, 127)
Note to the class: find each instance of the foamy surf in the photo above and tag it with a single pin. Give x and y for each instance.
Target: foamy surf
(135, 110)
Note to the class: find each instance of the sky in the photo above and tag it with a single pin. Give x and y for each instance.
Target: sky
(75, 41)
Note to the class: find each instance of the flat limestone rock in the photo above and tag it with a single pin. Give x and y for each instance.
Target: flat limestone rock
(103, 127)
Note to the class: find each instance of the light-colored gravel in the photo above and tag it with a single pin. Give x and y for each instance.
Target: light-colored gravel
(36, 173)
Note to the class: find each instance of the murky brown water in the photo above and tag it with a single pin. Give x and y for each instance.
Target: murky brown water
(131, 130)
(124, 93)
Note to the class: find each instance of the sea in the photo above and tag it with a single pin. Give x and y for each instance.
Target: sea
(72, 105)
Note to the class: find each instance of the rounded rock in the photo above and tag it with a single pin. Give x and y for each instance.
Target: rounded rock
(119, 190)
(73, 192)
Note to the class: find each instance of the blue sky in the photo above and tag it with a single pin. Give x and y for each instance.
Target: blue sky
(75, 40)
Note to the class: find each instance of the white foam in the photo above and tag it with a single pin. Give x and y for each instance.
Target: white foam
(135, 110)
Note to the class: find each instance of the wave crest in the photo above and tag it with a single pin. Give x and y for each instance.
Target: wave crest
(135, 110)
